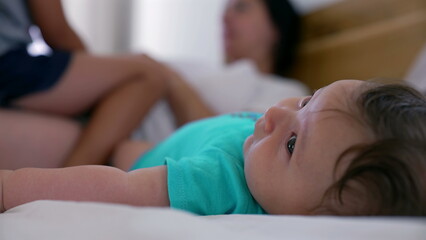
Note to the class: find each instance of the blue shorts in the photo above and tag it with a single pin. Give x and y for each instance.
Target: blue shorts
(22, 74)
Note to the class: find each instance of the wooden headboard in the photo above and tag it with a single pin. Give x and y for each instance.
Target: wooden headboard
(360, 39)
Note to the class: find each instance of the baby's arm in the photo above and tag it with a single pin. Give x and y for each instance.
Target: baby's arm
(3, 174)
(142, 187)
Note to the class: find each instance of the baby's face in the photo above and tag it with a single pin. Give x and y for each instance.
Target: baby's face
(290, 158)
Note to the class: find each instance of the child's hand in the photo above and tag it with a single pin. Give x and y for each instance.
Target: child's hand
(184, 101)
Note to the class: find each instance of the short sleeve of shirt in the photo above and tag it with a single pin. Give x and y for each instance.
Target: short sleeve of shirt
(209, 186)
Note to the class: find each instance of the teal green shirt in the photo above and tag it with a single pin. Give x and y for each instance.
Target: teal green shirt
(205, 165)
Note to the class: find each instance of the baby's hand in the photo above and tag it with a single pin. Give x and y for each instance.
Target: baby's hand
(3, 174)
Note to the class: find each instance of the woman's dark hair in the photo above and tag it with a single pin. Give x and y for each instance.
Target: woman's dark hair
(387, 177)
(287, 22)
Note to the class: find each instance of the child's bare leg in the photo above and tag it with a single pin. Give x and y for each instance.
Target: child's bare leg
(86, 80)
(142, 187)
(128, 87)
(127, 152)
(114, 119)
(35, 140)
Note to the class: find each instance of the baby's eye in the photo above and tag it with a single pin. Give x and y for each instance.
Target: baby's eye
(304, 101)
(291, 144)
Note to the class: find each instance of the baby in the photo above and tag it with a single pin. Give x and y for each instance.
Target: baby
(353, 148)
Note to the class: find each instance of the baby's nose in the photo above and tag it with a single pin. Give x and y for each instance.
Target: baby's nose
(276, 115)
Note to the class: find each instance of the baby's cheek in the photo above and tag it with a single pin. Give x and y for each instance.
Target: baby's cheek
(247, 144)
(252, 175)
(258, 182)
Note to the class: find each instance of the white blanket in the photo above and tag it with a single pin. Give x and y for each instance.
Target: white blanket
(44, 220)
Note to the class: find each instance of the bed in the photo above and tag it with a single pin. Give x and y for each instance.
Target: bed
(350, 39)
(43, 220)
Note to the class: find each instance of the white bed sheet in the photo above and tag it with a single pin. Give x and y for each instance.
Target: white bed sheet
(71, 220)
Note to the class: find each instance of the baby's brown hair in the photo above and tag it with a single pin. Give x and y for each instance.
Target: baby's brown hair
(388, 176)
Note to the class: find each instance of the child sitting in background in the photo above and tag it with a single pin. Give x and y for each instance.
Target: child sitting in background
(353, 148)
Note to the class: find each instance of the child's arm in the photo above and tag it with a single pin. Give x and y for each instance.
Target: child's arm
(142, 187)
(56, 31)
(184, 101)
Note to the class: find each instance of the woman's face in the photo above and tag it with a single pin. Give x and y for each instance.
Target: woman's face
(248, 31)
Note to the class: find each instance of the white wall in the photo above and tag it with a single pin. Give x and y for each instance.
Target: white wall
(167, 29)
(187, 29)
(179, 29)
(104, 25)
